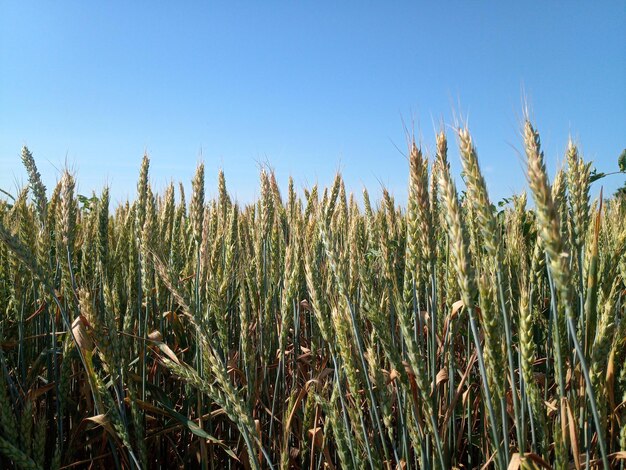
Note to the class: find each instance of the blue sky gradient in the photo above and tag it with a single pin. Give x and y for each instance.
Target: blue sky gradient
(308, 88)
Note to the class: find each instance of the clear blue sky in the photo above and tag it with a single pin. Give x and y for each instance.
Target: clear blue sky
(307, 87)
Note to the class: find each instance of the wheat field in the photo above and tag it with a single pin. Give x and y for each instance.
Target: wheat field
(312, 331)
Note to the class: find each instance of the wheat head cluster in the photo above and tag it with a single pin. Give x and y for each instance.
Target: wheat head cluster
(314, 332)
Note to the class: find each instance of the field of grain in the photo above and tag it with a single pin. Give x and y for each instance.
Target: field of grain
(313, 332)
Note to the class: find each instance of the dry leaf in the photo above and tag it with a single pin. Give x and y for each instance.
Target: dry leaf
(155, 336)
(456, 307)
(102, 420)
(316, 436)
(515, 463)
(442, 376)
(79, 331)
(165, 349)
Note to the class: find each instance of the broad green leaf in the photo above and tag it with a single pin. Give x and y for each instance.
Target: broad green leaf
(595, 176)
(621, 161)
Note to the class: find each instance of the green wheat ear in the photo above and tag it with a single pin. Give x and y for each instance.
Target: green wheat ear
(314, 328)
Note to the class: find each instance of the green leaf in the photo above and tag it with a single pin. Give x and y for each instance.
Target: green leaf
(595, 176)
(87, 202)
(504, 201)
(165, 406)
(621, 161)
(197, 430)
(6, 193)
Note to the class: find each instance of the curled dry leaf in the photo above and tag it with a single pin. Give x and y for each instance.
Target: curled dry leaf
(102, 420)
(393, 375)
(155, 336)
(456, 307)
(409, 370)
(79, 330)
(316, 436)
(165, 349)
(442, 376)
(523, 461)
